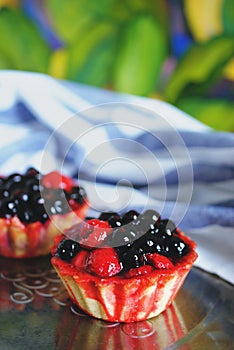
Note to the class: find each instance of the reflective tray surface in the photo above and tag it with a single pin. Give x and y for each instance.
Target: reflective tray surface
(36, 313)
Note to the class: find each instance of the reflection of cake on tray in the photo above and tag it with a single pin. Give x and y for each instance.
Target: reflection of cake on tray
(76, 330)
(34, 208)
(123, 268)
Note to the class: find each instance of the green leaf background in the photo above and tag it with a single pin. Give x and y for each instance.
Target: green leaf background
(125, 46)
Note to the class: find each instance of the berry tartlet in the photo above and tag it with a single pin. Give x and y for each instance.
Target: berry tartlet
(123, 268)
(34, 208)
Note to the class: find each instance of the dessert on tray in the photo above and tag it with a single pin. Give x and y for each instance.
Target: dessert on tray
(123, 268)
(34, 208)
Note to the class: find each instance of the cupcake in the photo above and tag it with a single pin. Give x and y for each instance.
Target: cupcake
(123, 268)
(34, 208)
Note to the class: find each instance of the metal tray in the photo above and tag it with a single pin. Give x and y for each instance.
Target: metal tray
(36, 313)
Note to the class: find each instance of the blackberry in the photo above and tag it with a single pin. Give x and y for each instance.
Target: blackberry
(67, 249)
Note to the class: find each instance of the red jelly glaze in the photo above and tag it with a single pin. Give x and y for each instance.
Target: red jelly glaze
(134, 286)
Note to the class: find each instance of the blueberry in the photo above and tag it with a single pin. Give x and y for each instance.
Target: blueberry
(12, 206)
(5, 211)
(32, 172)
(120, 238)
(106, 215)
(17, 178)
(4, 193)
(2, 181)
(43, 217)
(23, 197)
(26, 196)
(130, 259)
(56, 207)
(77, 194)
(145, 244)
(82, 193)
(138, 226)
(163, 229)
(129, 216)
(150, 216)
(161, 247)
(33, 185)
(177, 247)
(40, 214)
(169, 226)
(25, 214)
(115, 220)
(67, 249)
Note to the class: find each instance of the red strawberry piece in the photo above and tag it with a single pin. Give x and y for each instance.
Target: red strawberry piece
(56, 180)
(103, 262)
(97, 235)
(98, 223)
(79, 260)
(159, 261)
(141, 270)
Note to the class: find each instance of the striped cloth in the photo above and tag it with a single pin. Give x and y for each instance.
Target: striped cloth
(128, 152)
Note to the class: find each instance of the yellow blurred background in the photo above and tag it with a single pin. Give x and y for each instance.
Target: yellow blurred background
(179, 51)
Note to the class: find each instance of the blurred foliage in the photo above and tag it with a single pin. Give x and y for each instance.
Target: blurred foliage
(200, 68)
(22, 46)
(180, 51)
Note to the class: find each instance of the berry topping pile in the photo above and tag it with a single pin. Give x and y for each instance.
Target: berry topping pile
(35, 197)
(131, 244)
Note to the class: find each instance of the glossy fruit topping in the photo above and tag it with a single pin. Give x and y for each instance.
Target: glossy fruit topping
(35, 197)
(131, 244)
(142, 270)
(103, 262)
(67, 249)
(159, 261)
(98, 231)
(57, 180)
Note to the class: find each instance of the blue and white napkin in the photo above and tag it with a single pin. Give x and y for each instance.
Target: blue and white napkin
(128, 152)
